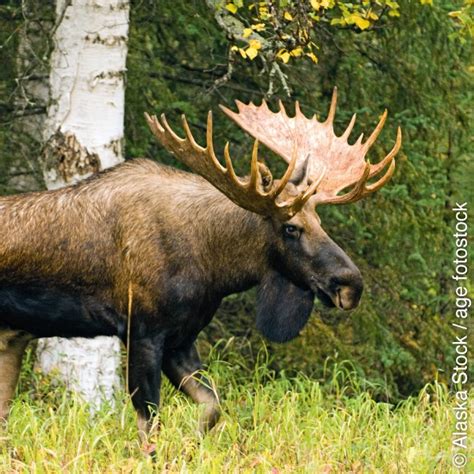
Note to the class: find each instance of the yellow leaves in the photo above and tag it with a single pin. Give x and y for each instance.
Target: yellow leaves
(426, 2)
(255, 44)
(240, 50)
(338, 21)
(258, 27)
(362, 23)
(394, 8)
(284, 55)
(296, 28)
(263, 11)
(232, 8)
(328, 3)
(252, 53)
(252, 50)
(297, 52)
(318, 4)
(313, 57)
(247, 32)
(234, 5)
(353, 19)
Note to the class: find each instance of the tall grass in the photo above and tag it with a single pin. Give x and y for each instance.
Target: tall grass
(270, 424)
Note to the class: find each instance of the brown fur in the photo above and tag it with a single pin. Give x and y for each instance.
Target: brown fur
(105, 232)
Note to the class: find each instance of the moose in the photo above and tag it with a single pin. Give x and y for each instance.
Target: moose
(182, 242)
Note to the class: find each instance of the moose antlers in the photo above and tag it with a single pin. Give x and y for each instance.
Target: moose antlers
(246, 194)
(311, 149)
(319, 148)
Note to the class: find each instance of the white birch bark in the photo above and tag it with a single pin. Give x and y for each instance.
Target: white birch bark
(84, 132)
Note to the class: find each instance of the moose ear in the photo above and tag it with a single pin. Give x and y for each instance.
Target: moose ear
(266, 178)
(282, 307)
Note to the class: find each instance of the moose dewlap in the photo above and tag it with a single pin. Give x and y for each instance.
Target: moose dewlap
(182, 242)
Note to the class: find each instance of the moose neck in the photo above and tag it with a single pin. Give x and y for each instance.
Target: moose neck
(233, 242)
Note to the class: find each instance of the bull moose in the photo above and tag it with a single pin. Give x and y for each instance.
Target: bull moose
(182, 242)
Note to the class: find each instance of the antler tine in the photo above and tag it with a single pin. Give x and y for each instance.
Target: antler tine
(332, 108)
(286, 177)
(358, 189)
(349, 128)
(152, 122)
(298, 112)
(240, 105)
(210, 142)
(370, 141)
(154, 125)
(282, 107)
(371, 188)
(228, 163)
(189, 134)
(168, 129)
(359, 140)
(299, 201)
(375, 169)
(254, 166)
(314, 186)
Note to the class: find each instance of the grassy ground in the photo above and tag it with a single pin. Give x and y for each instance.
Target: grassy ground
(270, 424)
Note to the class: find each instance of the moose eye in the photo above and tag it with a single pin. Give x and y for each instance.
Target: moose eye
(291, 231)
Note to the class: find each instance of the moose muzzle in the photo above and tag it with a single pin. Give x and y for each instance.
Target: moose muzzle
(338, 281)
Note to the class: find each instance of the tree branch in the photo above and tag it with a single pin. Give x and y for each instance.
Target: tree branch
(234, 29)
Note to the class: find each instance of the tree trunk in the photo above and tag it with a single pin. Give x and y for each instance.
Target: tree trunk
(84, 133)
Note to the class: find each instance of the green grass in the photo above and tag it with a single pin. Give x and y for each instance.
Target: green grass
(270, 424)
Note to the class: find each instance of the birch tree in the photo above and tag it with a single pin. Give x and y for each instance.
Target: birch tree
(83, 134)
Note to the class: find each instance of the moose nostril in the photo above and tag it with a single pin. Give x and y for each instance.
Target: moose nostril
(352, 280)
(347, 290)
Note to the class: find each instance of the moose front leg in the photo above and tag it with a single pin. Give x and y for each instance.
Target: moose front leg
(12, 349)
(144, 380)
(182, 368)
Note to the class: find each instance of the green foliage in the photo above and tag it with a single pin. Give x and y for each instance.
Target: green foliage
(463, 16)
(7, 82)
(270, 423)
(24, 50)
